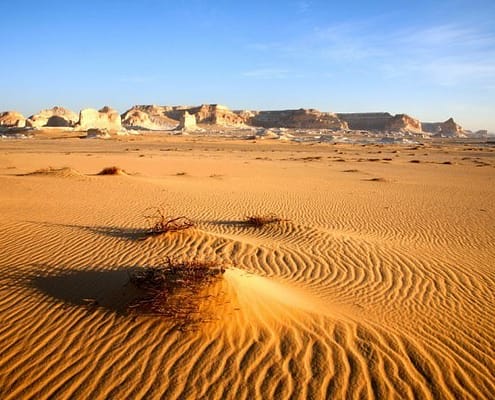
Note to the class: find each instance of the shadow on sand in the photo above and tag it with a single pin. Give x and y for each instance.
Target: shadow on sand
(109, 289)
(111, 231)
(236, 223)
(116, 232)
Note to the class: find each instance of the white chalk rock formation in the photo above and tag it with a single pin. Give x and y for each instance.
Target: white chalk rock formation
(54, 117)
(148, 118)
(106, 118)
(12, 119)
(187, 122)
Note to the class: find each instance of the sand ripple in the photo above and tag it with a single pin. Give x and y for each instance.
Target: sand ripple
(329, 304)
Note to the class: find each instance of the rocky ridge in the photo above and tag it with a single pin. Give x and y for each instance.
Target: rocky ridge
(155, 117)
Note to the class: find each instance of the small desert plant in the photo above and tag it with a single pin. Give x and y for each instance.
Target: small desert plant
(111, 171)
(159, 222)
(177, 289)
(262, 220)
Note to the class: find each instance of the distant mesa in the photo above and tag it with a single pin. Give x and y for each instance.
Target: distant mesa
(381, 121)
(297, 119)
(480, 134)
(53, 117)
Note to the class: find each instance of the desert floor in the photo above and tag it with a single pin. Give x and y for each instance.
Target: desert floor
(380, 284)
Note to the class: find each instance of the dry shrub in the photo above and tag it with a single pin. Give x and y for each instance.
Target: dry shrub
(159, 222)
(111, 171)
(178, 290)
(377, 180)
(262, 220)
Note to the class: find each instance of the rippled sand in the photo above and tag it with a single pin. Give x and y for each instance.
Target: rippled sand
(380, 284)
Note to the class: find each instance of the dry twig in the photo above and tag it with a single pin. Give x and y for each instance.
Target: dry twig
(159, 222)
(262, 220)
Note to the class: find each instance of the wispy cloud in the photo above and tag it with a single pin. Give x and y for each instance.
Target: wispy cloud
(446, 54)
(447, 36)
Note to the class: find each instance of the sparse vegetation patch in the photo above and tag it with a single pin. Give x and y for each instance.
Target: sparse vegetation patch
(178, 290)
(159, 222)
(111, 171)
(262, 220)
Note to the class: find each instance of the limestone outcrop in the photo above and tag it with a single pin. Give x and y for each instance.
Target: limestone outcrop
(216, 114)
(447, 128)
(299, 119)
(381, 121)
(106, 118)
(12, 119)
(187, 122)
(167, 117)
(403, 122)
(56, 116)
(366, 121)
(451, 128)
(149, 118)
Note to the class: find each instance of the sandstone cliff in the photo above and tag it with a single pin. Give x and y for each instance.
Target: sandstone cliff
(11, 119)
(106, 118)
(56, 116)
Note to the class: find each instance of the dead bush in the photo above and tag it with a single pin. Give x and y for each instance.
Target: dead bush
(159, 222)
(178, 290)
(111, 171)
(262, 220)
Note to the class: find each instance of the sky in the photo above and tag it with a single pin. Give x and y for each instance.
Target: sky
(430, 59)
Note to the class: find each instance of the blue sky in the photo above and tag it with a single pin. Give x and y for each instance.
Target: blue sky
(430, 59)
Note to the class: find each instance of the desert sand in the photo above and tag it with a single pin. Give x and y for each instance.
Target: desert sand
(379, 284)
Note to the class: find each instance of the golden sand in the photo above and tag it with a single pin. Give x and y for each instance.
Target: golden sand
(379, 284)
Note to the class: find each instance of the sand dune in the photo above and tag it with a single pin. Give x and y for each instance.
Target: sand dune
(368, 290)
